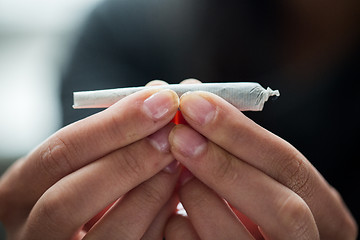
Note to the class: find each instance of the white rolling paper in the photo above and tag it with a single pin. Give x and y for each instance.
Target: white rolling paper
(246, 96)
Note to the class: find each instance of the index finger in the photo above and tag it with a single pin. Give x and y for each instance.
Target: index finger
(78, 144)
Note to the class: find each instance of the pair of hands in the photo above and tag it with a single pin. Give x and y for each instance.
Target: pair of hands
(122, 162)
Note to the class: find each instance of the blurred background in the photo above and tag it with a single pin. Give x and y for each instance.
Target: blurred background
(35, 39)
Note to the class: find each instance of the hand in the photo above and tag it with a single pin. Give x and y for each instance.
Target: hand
(260, 175)
(110, 160)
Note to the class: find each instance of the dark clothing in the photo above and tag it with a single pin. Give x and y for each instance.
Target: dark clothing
(130, 42)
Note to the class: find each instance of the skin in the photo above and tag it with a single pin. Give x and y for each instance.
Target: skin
(117, 160)
(260, 175)
(74, 186)
(94, 178)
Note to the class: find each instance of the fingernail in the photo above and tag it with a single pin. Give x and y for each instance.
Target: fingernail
(185, 176)
(160, 139)
(197, 108)
(172, 167)
(160, 103)
(187, 141)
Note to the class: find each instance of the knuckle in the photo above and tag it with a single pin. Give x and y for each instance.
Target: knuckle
(295, 217)
(131, 163)
(296, 175)
(239, 135)
(55, 157)
(346, 226)
(53, 211)
(225, 170)
(49, 212)
(120, 128)
(151, 194)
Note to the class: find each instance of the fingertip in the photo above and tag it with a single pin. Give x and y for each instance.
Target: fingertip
(190, 81)
(156, 83)
(160, 139)
(186, 142)
(161, 104)
(172, 133)
(198, 107)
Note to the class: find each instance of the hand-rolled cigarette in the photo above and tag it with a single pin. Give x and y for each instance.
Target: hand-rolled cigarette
(246, 96)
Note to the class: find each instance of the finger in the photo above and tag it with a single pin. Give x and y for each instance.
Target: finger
(83, 142)
(211, 217)
(250, 225)
(179, 119)
(87, 226)
(179, 228)
(190, 81)
(156, 83)
(76, 198)
(136, 210)
(280, 212)
(229, 128)
(157, 227)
